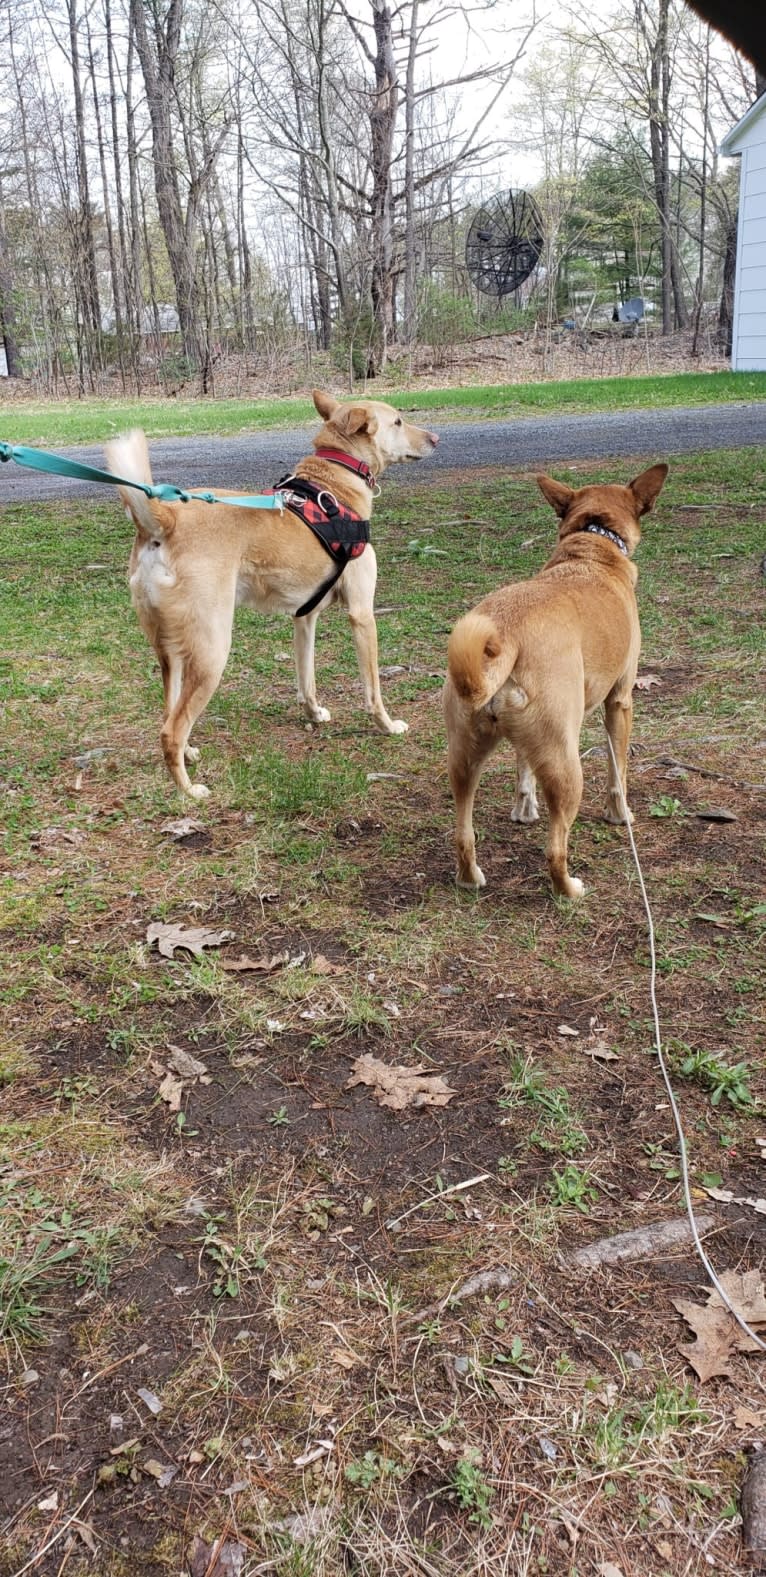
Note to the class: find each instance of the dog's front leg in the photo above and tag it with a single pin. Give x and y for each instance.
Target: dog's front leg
(359, 582)
(618, 716)
(304, 636)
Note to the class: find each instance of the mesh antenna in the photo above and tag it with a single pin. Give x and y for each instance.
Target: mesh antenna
(504, 243)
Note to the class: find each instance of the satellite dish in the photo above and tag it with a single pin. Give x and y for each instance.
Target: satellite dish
(504, 243)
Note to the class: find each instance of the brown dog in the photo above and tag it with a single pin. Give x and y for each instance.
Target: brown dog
(192, 563)
(532, 660)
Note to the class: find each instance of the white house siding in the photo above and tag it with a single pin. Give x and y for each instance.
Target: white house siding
(748, 351)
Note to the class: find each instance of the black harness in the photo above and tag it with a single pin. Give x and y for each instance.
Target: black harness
(343, 534)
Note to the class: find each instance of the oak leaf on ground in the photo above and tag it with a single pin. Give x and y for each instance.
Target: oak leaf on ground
(397, 1087)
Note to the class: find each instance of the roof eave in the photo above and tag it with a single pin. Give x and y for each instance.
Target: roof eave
(729, 145)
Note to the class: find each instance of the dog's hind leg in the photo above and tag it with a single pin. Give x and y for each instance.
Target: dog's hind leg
(525, 803)
(304, 634)
(467, 754)
(618, 717)
(198, 683)
(171, 684)
(560, 777)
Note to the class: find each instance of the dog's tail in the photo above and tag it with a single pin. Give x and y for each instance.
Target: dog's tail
(128, 456)
(479, 661)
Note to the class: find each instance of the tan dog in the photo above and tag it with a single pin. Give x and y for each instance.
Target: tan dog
(192, 563)
(532, 660)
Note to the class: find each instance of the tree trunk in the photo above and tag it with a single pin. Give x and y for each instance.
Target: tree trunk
(660, 166)
(113, 269)
(7, 312)
(383, 115)
(85, 241)
(659, 142)
(133, 296)
(159, 77)
(410, 239)
(726, 307)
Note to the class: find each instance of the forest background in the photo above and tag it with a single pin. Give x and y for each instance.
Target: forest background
(231, 198)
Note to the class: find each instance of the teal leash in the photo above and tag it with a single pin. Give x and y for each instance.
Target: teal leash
(166, 492)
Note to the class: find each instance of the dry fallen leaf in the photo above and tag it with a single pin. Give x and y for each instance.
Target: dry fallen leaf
(185, 827)
(323, 966)
(88, 1536)
(321, 1448)
(170, 1091)
(220, 1559)
(645, 681)
(568, 1029)
(726, 1197)
(396, 1087)
(191, 937)
(48, 837)
(344, 1358)
(50, 1503)
(747, 1418)
(184, 1064)
(717, 1332)
(261, 966)
(600, 1053)
(164, 1472)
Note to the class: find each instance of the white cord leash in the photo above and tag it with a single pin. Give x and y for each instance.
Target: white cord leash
(723, 1295)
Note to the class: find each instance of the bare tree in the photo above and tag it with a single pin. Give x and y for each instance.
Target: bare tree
(159, 55)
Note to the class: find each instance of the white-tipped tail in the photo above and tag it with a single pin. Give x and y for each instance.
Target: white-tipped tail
(128, 457)
(479, 660)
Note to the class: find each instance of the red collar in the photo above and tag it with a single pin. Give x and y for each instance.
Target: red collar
(351, 464)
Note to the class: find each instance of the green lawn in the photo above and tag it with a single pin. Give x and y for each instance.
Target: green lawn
(92, 421)
(354, 1362)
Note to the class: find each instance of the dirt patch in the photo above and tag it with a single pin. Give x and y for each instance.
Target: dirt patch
(343, 1313)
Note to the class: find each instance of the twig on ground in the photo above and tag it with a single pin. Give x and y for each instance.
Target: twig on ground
(640, 1244)
(457, 1188)
(705, 772)
(483, 1281)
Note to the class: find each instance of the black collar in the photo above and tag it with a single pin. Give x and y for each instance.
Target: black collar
(603, 531)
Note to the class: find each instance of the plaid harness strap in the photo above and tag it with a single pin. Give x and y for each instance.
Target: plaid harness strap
(343, 534)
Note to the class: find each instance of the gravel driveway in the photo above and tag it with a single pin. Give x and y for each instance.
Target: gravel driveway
(257, 461)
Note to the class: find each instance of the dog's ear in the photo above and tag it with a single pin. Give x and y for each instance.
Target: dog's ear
(350, 419)
(559, 496)
(325, 404)
(646, 487)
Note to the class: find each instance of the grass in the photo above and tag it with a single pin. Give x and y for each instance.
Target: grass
(362, 1364)
(94, 420)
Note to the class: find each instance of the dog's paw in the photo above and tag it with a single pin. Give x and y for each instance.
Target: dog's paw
(473, 881)
(525, 810)
(613, 815)
(398, 726)
(314, 712)
(576, 887)
(191, 753)
(198, 791)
